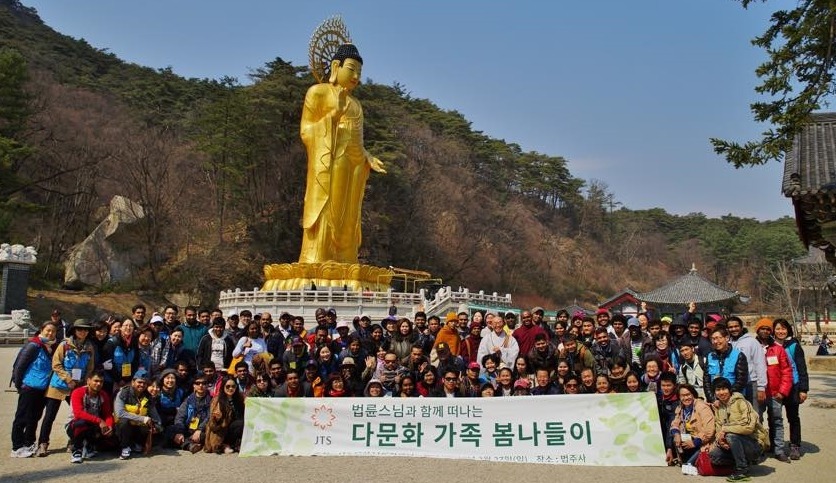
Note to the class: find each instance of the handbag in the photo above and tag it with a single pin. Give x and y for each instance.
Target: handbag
(706, 468)
(235, 360)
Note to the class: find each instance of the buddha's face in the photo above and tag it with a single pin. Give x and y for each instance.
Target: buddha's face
(348, 75)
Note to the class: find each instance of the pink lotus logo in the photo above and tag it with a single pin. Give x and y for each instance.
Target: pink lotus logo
(323, 417)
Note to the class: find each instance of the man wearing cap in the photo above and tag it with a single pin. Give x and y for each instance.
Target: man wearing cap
(446, 359)
(632, 342)
(331, 322)
(351, 377)
(313, 379)
(362, 327)
(340, 338)
(136, 415)
(156, 323)
(538, 316)
(216, 346)
(526, 333)
(449, 334)
(294, 359)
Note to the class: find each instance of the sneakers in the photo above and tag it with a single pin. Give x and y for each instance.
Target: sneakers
(795, 452)
(89, 451)
(76, 457)
(195, 447)
(23, 452)
(782, 458)
(738, 477)
(689, 470)
(126, 453)
(43, 450)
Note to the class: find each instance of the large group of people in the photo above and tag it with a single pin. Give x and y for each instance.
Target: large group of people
(134, 384)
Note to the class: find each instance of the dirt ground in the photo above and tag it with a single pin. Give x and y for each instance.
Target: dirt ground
(818, 419)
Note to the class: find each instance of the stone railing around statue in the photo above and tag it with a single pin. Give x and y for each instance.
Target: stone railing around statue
(349, 303)
(446, 300)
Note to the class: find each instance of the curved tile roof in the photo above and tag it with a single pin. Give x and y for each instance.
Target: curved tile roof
(687, 288)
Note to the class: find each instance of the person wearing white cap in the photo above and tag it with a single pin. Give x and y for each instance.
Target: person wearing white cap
(340, 338)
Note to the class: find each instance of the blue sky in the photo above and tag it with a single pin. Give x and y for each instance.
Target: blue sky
(628, 92)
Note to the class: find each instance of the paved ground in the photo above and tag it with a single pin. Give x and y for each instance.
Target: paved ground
(818, 417)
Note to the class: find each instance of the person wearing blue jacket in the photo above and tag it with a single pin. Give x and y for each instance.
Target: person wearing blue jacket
(725, 361)
(30, 376)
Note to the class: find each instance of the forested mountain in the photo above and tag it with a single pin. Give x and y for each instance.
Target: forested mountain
(219, 168)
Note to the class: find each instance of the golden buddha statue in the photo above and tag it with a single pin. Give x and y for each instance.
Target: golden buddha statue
(338, 168)
(338, 164)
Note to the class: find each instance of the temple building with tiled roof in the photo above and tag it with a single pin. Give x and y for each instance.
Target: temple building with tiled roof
(810, 181)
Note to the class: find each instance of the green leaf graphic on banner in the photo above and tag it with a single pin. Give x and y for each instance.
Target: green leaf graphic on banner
(653, 442)
(631, 453)
(620, 424)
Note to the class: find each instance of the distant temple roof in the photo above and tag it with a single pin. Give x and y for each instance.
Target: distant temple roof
(810, 180)
(688, 288)
(626, 294)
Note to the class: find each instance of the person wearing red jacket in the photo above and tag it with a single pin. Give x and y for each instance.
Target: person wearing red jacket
(92, 417)
(778, 386)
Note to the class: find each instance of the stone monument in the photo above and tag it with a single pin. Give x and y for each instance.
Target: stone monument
(15, 263)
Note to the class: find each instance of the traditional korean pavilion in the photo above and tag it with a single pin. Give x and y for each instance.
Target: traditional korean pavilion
(673, 298)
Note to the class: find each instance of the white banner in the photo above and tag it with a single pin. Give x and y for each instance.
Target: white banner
(587, 429)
